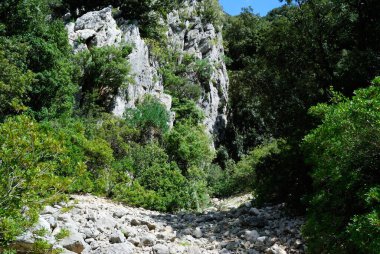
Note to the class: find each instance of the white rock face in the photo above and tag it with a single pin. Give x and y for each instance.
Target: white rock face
(99, 29)
(96, 28)
(188, 34)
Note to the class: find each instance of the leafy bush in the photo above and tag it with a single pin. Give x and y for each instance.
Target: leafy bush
(30, 157)
(14, 87)
(187, 110)
(103, 72)
(189, 145)
(211, 12)
(151, 117)
(153, 182)
(246, 175)
(38, 44)
(344, 150)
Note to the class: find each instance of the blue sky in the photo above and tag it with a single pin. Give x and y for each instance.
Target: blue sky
(233, 7)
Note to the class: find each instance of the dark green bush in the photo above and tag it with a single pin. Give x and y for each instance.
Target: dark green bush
(344, 150)
(14, 87)
(104, 71)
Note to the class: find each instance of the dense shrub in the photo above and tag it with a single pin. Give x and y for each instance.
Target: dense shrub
(344, 150)
(14, 87)
(246, 175)
(103, 71)
(31, 159)
(39, 44)
(151, 117)
(189, 145)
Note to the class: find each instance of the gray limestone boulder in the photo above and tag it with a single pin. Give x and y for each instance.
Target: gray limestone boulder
(120, 248)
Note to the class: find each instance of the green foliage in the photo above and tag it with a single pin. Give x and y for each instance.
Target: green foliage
(14, 87)
(211, 12)
(63, 233)
(284, 63)
(154, 182)
(29, 158)
(37, 44)
(189, 146)
(103, 72)
(247, 175)
(187, 110)
(41, 247)
(344, 150)
(151, 117)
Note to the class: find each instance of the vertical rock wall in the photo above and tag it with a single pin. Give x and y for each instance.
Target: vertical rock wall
(189, 33)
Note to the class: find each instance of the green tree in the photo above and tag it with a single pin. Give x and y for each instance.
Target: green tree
(14, 87)
(39, 44)
(103, 72)
(151, 117)
(189, 146)
(344, 151)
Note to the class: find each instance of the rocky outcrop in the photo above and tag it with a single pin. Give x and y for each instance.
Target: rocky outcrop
(99, 29)
(97, 225)
(189, 33)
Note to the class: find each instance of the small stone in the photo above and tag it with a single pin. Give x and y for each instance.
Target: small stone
(117, 237)
(49, 210)
(233, 246)
(197, 233)
(118, 214)
(251, 235)
(134, 240)
(276, 249)
(74, 242)
(297, 243)
(120, 248)
(160, 249)
(254, 211)
(135, 222)
(224, 251)
(261, 240)
(193, 250)
(148, 240)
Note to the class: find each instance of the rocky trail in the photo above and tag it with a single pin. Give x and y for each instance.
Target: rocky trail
(89, 224)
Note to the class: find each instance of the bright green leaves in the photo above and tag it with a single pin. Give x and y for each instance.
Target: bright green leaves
(30, 156)
(189, 145)
(344, 151)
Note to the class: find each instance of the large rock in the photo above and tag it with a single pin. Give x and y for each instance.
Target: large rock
(120, 248)
(97, 28)
(74, 242)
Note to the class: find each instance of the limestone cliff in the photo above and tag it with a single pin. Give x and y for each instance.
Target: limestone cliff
(187, 33)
